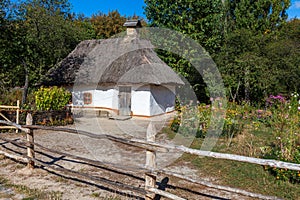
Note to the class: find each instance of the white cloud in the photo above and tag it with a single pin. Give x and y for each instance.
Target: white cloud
(297, 4)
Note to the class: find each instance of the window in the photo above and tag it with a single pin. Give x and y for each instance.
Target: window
(87, 98)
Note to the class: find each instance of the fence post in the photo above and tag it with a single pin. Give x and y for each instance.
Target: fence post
(150, 179)
(30, 139)
(18, 114)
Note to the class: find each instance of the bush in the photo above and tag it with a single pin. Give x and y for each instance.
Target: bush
(52, 98)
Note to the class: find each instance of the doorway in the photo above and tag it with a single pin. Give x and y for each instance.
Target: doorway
(124, 100)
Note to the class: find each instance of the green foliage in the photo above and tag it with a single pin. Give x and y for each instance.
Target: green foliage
(107, 25)
(196, 120)
(237, 34)
(53, 98)
(10, 97)
(247, 57)
(199, 20)
(286, 144)
(36, 35)
(257, 16)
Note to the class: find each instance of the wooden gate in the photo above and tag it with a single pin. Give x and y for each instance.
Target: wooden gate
(124, 100)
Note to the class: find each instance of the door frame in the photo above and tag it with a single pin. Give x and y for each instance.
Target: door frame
(124, 100)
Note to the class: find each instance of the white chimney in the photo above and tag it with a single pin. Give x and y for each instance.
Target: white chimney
(132, 26)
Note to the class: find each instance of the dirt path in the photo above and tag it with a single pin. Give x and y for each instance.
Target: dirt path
(101, 150)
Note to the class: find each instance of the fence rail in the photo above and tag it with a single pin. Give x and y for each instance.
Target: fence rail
(17, 108)
(149, 170)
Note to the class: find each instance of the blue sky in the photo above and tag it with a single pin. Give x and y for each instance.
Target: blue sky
(130, 7)
(294, 10)
(125, 7)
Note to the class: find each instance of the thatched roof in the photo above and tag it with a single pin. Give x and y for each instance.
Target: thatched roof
(112, 61)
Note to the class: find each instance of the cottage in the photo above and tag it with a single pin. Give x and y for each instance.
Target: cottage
(123, 75)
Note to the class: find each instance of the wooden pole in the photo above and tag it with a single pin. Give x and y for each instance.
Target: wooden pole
(30, 139)
(18, 114)
(150, 179)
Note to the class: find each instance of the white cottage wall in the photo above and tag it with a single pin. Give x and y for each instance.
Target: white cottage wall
(104, 97)
(146, 100)
(140, 100)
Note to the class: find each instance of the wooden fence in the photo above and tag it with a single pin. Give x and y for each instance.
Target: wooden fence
(17, 108)
(150, 171)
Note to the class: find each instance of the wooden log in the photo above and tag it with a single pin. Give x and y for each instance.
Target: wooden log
(85, 176)
(219, 187)
(127, 141)
(164, 193)
(12, 107)
(15, 125)
(154, 146)
(105, 165)
(112, 166)
(7, 127)
(259, 161)
(15, 157)
(17, 114)
(4, 117)
(30, 139)
(150, 180)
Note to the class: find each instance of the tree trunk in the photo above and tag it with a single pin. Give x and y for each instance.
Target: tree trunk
(26, 85)
(247, 84)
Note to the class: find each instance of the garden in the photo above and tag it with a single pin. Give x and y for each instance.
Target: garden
(268, 131)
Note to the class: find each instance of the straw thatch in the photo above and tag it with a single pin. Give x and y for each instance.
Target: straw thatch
(112, 61)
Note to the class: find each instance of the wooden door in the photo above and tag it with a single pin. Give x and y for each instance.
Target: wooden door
(124, 100)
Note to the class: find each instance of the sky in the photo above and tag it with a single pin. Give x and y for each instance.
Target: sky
(131, 7)
(125, 7)
(294, 10)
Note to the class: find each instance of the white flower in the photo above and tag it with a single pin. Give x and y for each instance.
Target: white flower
(290, 107)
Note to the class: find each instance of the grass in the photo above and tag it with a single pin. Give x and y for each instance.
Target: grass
(250, 177)
(30, 194)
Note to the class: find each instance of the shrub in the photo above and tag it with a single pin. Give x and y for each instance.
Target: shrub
(52, 98)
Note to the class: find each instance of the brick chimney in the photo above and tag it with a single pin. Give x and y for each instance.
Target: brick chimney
(132, 26)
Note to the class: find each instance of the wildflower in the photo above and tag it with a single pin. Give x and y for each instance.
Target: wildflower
(259, 111)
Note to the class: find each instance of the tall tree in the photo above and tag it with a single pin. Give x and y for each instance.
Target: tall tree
(256, 15)
(199, 20)
(247, 25)
(41, 35)
(107, 25)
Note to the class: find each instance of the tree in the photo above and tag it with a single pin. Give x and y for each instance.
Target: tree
(199, 20)
(283, 50)
(107, 25)
(248, 24)
(41, 34)
(258, 16)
